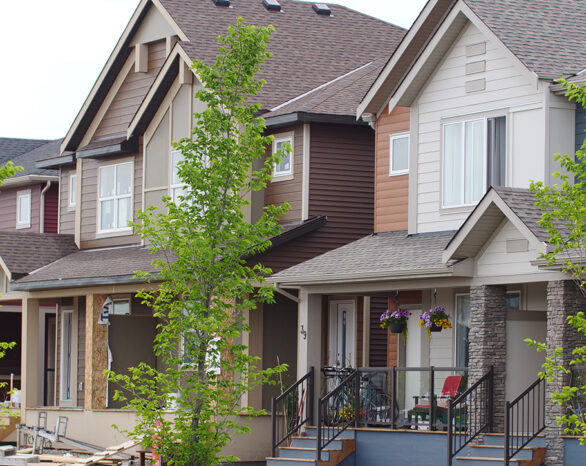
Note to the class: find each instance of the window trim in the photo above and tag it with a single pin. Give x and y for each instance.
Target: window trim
(391, 139)
(20, 195)
(172, 186)
(288, 175)
(63, 356)
(484, 117)
(72, 204)
(456, 332)
(115, 198)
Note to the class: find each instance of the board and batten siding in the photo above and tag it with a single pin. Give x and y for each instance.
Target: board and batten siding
(390, 192)
(66, 215)
(130, 95)
(508, 89)
(8, 208)
(290, 190)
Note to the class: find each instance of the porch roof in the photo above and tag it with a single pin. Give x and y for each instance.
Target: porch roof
(381, 255)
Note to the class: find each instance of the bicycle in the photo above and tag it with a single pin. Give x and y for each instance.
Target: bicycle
(340, 407)
(375, 405)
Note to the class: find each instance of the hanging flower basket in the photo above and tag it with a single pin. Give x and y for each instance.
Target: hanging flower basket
(435, 320)
(395, 321)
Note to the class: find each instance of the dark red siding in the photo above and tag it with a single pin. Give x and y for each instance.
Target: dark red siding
(51, 209)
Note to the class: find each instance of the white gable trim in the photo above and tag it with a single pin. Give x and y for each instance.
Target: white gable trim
(170, 20)
(430, 49)
(491, 198)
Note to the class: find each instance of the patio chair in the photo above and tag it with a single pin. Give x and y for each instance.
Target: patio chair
(450, 390)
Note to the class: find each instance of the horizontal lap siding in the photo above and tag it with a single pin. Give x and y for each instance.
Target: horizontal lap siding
(66, 216)
(131, 94)
(8, 208)
(391, 192)
(508, 88)
(289, 191)
(51, 209)
(378, 336)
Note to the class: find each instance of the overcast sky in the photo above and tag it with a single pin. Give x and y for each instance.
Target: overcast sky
(53, 51)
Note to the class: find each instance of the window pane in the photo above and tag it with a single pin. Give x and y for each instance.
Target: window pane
(24, 209)
(176, 157)
(123, 178)
(514, 300)
(284, 166)
(453, 161)
(107, 175)
(462, 330)
(107, 215)
(72, 188)
(124, 212)
(474, 164)
(121, 307)
(400, 152)
(496, 151)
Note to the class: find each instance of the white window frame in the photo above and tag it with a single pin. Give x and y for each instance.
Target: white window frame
(72, 190)
(288, 174)
(118, 300)
(463, 122)
(174, 186)
(115, 198)
(392, 138)
(66, 360)
(23, 223)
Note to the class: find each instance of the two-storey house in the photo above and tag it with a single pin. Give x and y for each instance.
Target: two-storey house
(466, 113)
(118, 157)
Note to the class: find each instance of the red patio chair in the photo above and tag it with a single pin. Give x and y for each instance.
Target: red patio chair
(450, 390)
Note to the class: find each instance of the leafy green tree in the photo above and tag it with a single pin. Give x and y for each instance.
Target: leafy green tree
(206, 287)
(563, 208)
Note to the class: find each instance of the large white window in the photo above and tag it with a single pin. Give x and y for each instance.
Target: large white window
(474, 158)
(23, 209)
(285, 167)
(399, 154)
(72, 190)
(115, 197)
(66, 354)
(462, 330)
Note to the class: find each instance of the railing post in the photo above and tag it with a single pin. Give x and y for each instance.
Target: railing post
(490, 397)
(273, 427)
(311, 395)
(393, 396)
(431, 398)
(356, 397)
(450, 434)
(318, 434)
(507, 433)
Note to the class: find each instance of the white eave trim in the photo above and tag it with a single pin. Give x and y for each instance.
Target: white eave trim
(29, 179)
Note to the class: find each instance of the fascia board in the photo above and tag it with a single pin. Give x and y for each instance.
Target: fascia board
(29, 179)
(56, 162)
(74, 283)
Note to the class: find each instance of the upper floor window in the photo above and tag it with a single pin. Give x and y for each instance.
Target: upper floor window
(177, 185)
(72, 190)
(23, 209)
(285, 167)
(474, 158)
(399, 154)
(115, 197)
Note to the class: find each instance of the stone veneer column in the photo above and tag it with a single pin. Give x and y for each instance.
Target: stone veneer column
(488, 347)
(564, 298)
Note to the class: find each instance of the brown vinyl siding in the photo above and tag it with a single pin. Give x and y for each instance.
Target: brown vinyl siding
(377, 356)
(131, 94)
(8, 208)
(289, 191)
(391, 192)
(51, 209)
(66, 216)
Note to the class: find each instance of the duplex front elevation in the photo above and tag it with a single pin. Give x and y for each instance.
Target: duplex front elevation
(467, 113)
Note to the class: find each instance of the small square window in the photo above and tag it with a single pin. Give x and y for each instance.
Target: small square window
(513, 300)
(23, 209)
(285, 166)
(72, 190)
(399, 154)
(121, 307)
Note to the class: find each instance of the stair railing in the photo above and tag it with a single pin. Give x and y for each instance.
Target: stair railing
(524, 418)
(470, 414)
(291, 410)
(337, 411)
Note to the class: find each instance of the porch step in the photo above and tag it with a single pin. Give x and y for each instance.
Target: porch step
(311, 431)
(303, 451)
(499, 439)
(498, 451)
(492, 453)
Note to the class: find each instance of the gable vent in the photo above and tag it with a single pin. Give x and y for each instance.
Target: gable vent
(322, 9)
(221, 2)
(272, 5)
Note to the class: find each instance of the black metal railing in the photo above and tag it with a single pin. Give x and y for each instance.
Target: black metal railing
(337, 411)
(291, 410)
(470, 414)
(524, 418)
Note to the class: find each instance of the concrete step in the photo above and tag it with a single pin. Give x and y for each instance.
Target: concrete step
(311, 442)
(290, 462)
(305, 453)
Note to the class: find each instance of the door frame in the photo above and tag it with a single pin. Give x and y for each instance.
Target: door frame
(332, 331)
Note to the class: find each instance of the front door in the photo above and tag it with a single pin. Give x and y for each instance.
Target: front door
(342, 334)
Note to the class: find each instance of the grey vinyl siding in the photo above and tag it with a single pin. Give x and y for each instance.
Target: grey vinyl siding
(66, 216)
(8, 208)
(580, 125)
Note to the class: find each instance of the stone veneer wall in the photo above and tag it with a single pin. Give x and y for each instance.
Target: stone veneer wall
(564, 298)
(488, 347)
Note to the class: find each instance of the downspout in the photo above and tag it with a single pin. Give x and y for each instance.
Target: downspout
(42, 219)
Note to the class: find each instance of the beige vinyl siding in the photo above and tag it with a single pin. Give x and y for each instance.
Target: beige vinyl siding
(504, 254)
(289, 191)
(509, 89)
(67, 216)
(130, 95)
(391, 192)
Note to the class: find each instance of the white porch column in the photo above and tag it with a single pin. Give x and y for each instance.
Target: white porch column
(31, 380)
(309, 338)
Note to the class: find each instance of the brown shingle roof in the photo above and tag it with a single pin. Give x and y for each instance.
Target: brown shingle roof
(13, 147)
(308, 49)
(24, 252)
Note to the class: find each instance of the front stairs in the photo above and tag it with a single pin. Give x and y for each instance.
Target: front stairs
(302, 451)
(492, 451)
